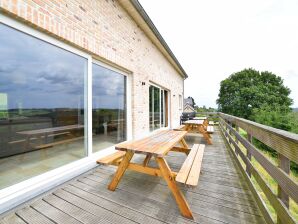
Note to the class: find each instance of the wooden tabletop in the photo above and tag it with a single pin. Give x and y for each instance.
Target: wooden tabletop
(158, 144)
(194, 122)
(50, 130)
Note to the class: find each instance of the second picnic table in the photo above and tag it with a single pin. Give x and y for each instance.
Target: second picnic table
(158, 145)
(200, 126)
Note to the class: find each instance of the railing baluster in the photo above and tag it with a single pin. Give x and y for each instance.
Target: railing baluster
(231, 124)
(284, 164)
(285, 144)
(248, 154)
(236, 139)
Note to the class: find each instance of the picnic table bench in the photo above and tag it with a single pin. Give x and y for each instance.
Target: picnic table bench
(158, 145)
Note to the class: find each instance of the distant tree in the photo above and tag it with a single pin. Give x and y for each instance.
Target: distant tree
(205, 109)
(277, 117)
(249, 89)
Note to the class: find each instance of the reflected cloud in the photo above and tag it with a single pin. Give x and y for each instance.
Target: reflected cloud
(108, 88)
(39, 74)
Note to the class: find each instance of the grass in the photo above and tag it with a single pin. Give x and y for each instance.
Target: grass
(270, 181)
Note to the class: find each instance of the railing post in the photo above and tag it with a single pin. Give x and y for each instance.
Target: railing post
(237, 129)
(226, 127)
(248, 154)
(236, 140)
(284, 164)
(230, 132)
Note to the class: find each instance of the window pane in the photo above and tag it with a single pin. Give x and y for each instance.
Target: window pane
(109, 107)
(42, 112)
(156, 108)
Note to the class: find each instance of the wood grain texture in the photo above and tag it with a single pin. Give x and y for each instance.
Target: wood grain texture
(158, 144)
(31, 216)
(283, 179)
(222, 195)
(257, 196)
(282, 211)
(120, 171)
(180, 128)
(286, 143)
(170, 179)
(12, 218)
(53, 213)
(185, 169)
(147, 160)
(194, 174)
(109, 159)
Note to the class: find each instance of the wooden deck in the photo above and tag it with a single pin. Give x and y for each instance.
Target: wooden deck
(222, 195)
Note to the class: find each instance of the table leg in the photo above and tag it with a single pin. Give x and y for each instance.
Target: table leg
(205, 134)
(120, 171)
(187, 127)
(184, 145)
(205, 123)
(147, 160)
(170, 179)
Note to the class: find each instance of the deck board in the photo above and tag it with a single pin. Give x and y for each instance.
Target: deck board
(222, 195)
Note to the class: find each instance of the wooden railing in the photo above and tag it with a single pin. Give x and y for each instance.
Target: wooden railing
(286, 146)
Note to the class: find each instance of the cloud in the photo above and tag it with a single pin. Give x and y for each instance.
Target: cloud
(213, 39)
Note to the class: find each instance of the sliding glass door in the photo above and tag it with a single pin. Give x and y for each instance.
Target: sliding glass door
(157, 108)
(42, 106)
(109, 107)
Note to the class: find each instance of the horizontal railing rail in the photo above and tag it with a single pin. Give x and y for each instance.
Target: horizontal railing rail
(286, 146)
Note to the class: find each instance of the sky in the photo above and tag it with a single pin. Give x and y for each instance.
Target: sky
(35, 74)
(213, 39)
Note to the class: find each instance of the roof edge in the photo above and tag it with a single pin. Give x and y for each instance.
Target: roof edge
(141, 11)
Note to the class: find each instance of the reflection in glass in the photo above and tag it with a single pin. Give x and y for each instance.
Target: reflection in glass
(42, 106)
(157, 108)
(109, 107)
(162, 108)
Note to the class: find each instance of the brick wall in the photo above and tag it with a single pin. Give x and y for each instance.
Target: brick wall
(103, 28)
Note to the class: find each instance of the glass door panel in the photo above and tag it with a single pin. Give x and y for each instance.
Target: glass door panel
(108, 107)
(42, 106)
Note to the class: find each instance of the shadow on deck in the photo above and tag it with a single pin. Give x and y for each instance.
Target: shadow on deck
(222, 195)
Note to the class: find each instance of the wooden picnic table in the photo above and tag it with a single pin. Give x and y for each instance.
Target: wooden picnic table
(46, 132)
(158, 145)
(200, 126)
(204, 119)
